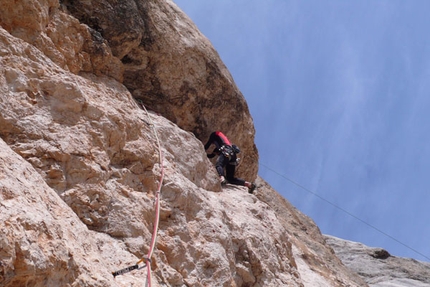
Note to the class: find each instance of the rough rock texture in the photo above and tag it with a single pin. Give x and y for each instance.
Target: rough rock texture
(69, 44)
(378, 268)
(173, 68)
(79, 161)
(316, 263)
(43, 242)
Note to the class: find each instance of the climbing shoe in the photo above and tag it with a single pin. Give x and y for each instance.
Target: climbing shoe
(223, 180)
(252, 188)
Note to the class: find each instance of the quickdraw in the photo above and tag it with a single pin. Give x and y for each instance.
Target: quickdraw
(132, 267)
(125, 270)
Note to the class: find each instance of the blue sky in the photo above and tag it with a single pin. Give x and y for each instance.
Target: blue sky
(340, 96)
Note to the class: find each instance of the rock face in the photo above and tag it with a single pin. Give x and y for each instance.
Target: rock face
(43, 242)
(172, 67)
(79, 160)
(378, 268)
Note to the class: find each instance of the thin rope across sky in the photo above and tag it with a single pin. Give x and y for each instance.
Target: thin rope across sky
(344, 210)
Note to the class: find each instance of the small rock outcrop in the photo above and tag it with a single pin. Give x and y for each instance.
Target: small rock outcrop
(378, 268)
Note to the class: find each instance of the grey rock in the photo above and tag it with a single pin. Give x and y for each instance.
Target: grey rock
(378, 268)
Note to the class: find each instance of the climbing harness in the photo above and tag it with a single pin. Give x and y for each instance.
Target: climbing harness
(227, 151)
(147, 259)
(235, 162)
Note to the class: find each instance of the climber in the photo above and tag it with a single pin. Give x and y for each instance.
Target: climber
(227, 158)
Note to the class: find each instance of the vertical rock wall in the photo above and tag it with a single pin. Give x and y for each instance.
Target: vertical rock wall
(173, 68)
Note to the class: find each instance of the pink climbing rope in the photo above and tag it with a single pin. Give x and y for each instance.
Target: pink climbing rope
(157, 203)
(157, 214)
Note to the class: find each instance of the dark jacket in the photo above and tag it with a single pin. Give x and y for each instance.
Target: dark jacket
(218, 139)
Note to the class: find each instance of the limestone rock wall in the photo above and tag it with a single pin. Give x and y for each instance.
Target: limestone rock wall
(79, 159)
(62, 38)
(43, 242)
(173, 68)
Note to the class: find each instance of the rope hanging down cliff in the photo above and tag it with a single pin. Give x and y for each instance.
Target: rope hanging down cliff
(147, 259)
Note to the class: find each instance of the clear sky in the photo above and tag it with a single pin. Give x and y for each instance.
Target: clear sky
(340, 96)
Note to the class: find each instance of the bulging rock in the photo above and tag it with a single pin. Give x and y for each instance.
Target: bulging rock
(173, 68)
(62, 38)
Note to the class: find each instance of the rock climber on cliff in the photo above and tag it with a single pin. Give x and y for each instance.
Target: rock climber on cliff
(227, 158)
